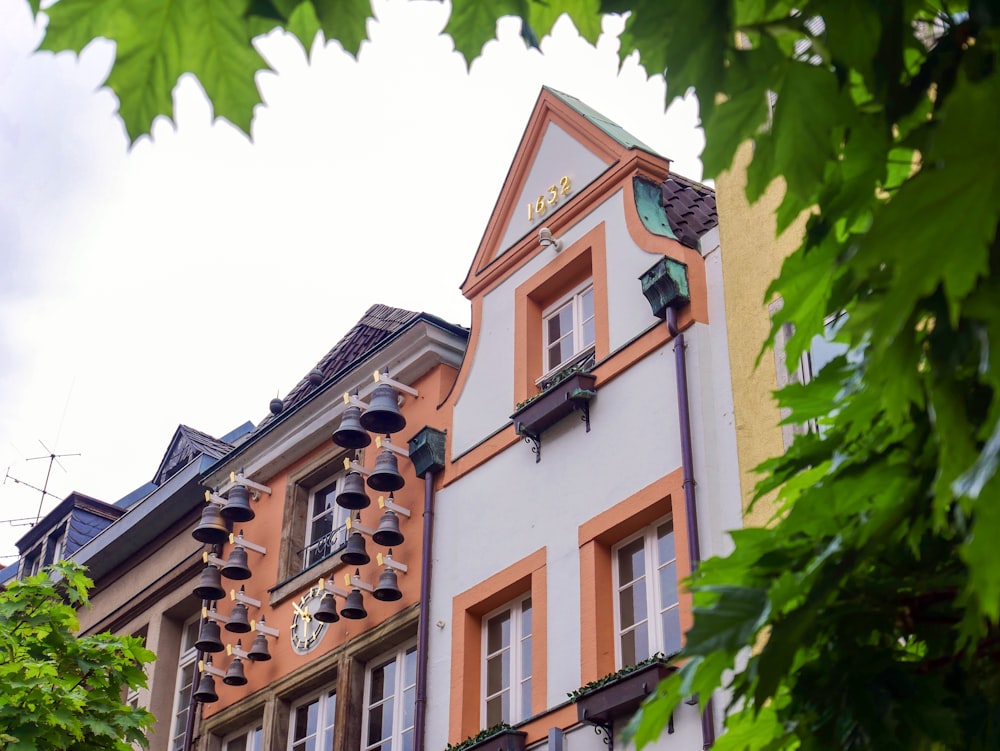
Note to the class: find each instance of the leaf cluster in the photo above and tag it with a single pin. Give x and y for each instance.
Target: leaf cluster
(63, 692)
(482, 735)
(617, 675)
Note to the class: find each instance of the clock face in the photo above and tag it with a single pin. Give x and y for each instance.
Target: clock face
(306, 630)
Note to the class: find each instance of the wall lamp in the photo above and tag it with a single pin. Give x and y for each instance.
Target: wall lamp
(548, 241)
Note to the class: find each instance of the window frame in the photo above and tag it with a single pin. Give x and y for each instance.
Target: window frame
(331, 486)
(187, 657)
(580, 348)
(252, 735)
(398, 696)
(325, 726)
(655, 607)
(515, 646)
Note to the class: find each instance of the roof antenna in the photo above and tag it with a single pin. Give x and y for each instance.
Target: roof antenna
(53, 459)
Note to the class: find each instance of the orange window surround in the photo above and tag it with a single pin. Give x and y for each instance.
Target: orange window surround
(584, 259)
(596, 538)
(468, 608)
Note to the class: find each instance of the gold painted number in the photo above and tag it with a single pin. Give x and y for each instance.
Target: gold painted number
(539, 206)
(564, 186)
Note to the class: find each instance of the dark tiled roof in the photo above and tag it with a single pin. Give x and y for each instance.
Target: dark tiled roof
(690, 208)
(378, 323)
(186, 444)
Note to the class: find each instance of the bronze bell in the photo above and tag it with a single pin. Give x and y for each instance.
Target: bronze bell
(353, 495)
(350, 434)
(239, 621)
(383, 415)
(386, 477)
(388, 586)
(210, 585)
(258, 650)
(355, 553)
(354, 606)
(209, 637)
(388, 534)
(206, 689)
(236, 567)
(327, 610)
(237, 508)
(212, 528)
(235, 675)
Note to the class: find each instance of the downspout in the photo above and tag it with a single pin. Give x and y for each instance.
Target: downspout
(193, 705)
(690, 501)
(427, 455)
(665, 287)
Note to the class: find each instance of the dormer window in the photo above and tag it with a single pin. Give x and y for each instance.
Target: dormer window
(568, 327)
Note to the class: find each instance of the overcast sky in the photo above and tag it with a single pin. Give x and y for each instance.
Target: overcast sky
(195, 276)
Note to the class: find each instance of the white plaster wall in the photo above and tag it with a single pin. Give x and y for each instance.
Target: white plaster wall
(512, 506)
(487, 399)
(559, 155)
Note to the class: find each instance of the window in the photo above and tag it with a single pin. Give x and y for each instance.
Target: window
(187, 673)
(390, 691)
(311, 724)
(248, 739)
(326, 530)
(568, 327)
(507, 663)
(647, 616)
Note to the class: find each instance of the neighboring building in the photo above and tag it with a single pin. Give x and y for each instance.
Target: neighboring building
(561, 535)
(347, 684)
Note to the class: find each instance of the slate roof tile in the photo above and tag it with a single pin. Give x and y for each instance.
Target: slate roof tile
(690, 208)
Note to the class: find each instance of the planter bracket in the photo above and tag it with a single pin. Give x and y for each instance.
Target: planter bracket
(605, 727)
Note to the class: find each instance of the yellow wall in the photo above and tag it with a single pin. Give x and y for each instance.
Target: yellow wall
(751, 258)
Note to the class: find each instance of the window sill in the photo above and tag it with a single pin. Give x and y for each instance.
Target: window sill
(307, 577)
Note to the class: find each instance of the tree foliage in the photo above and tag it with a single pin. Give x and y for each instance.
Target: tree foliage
(866, 615)
(58, 691)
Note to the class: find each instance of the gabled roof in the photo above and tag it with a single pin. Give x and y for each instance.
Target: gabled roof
(186, 444)
(377, 324)
(614, 130)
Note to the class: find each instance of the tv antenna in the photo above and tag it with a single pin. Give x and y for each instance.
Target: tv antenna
(44, 490)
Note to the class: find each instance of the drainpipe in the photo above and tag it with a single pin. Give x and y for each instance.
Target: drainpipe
(193, 705)
(427, 455)
(690, 504)
(665, 286)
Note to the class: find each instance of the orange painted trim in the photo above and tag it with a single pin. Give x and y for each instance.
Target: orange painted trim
(619, 176)
(596, 537)
(468, 609)
(548, 109)
(586, 258)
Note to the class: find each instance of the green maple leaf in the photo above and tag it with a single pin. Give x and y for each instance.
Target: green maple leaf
(160, 40)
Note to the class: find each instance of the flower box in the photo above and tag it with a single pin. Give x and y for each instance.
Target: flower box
(568, 395)
(622, 696)
(507, 739)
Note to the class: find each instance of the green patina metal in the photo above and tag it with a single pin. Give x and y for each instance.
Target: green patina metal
(651, 211)
(614, 130)
(665, 285)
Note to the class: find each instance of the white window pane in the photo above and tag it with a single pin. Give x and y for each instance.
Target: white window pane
(498, 633)
(587, 304)
(526, 698)
(631, 562)
(665, 543)
(587, 335)
(632, 604)
(668, 585)
(671, 620)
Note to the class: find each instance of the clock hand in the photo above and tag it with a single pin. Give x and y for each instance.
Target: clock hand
(303, 613)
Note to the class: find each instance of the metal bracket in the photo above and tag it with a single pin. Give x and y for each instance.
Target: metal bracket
(535, 441)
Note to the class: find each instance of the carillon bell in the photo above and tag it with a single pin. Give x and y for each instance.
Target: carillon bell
(239, 620)
(386, 477)
(353, 495)
(235, 675)
(206, 689)
(350, 434)
(236, 567)
(354, 606)
(237, 508)
(388, 534)
(388, 586)
(209, 637)
(383, 415)
(258, 651)
(212, 528)
(327, 610)
(210, 584)
(355, 553)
